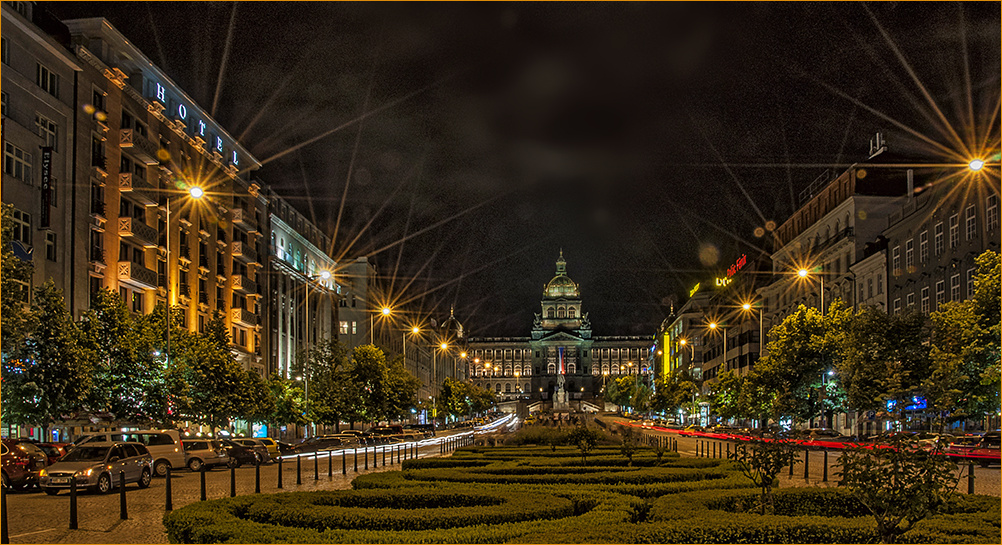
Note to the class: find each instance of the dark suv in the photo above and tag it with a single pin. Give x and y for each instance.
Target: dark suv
(22, 462)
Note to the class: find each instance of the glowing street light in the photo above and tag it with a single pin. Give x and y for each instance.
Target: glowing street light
(414, 330)
(976, 164)
(197, 192)
(386, 312)
(747, 307)
(803, 273)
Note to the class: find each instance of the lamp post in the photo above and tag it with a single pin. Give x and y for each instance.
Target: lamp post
(196, 193)
(804, 273)
(415, 330)
(723, 329)
(386, 312)
(761, 326)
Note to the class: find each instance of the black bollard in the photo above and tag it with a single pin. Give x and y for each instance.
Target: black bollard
(356, 459)
(279, 471)
(233, 481)
(257, 477)
(824, 472)
(970, 477)
(73, 505)
(414, 450)
(202, 478)
(728, 451)
(123, 509)
(344, 462)
(366, 455)
(807, 460)
(330, 464)
(384, 456)
(316, 469)
(4, 535)
(299, 467)
(169, 503)
(793, 462)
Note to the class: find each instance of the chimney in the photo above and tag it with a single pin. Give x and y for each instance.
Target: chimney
(911, 183)
(877, 145)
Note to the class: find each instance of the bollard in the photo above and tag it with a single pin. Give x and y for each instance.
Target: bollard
(414, 450)
(4, 535)
(299, 468)
(356, 459)
(793, 462)
(824, 472)
(123, 509)
(280, 471)
(316, 469)
(233, 481)
(202, 478)
(970, 477)
(330, 464)
(384, 456)
(366, 456)
(807, 460)
(728, 451)
(73, 505)
(344, 462)
(169, 505)
(257, 477)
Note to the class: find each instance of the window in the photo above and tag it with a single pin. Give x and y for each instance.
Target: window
(909, 255)
(869, 288)
(21, 224)
(955, 287)
(3, 104)
(48, 130)
(940, 293)
(137, 301)
(991, 212)
(970, 282)
(897, 305)
(47, 80)
(896, 260)
(16, 162)
(50, 246)
(910, 300)
(880, 284)
(954, 231)
(972, 225)
(344, 328)
(97, 152)
(98, 100)
(938, 238)
(923, 246)
(354, 328)
(4, 51)
(925, 300)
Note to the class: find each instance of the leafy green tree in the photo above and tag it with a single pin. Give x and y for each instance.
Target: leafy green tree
(369, 373)
(965, 372)
(289, 401)
(164, 379)
(725, 396)
(629, 443)
(331, 390)
(900, 485)
(15, 274)
(627, 391)
(401, 390)
(585, 439)
(50, 375)
(673, 392)
(255, 403)
(761, 461)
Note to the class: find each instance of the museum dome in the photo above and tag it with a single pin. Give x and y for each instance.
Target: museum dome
(452, 328)
(561, 286)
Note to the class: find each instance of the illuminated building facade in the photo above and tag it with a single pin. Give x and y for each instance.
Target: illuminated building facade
(560, 349)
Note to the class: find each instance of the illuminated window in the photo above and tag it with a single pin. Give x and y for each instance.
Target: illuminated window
(972, 225)
(344, 328)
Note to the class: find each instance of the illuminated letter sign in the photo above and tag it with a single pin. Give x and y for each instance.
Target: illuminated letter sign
(182, 112)
(201, 127)
(737, 265)
(46, 187)
(694, 290)
(722, 282)
(235, 161)
(161, 93)
(219, 144)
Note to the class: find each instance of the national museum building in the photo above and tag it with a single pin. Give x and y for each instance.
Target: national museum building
(560, 350)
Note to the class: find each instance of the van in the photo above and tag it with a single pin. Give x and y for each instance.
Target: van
(164, 445)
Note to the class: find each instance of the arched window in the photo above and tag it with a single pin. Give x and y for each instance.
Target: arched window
(615, 369)
(560, 312)
(551, 369)
(526, 370)
(498, 388)
(507, 388)
(549, 313)
(571, 368)
(570, 312)
(837, 228)
(605, 368)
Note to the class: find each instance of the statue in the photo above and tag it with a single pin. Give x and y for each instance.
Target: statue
(560, 383)
(585, 321)
(537, 322)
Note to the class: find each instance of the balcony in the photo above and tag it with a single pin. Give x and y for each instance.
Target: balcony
(245, 218)
(244, 284)
(245, 251)
(243, 316)
(97, 208)
(97, 255)
(139, 145)
(138, 231)
(99, 164)
(136, 274)
(137, 187)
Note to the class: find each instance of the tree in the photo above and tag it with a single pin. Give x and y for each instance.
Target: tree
(673, 392)
(629, 444)
(761, 461)
(965, 375)
(627, 391)
(289, 401)
(585, 439)
(401, 390)
(369, 373)
(50, 374)
(899, 484)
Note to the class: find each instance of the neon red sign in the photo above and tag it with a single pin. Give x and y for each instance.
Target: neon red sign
(737, 265)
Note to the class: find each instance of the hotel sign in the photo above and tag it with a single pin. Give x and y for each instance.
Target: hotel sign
(175, 108)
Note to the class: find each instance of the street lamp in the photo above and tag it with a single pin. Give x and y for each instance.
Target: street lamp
(306, 395)
(324, 275)
(804, 273)
(386, 312)
(976, 164)
(723, 329)
(414, 330)
(761, 325)
(196, 193)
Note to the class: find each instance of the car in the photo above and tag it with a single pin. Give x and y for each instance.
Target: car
(207, 453)
(394, 433)
(362, 438)
(317, 442)
(238, 454)
(274, 451)
(285, 449)
(256, 445)
(424, 430)
(530, 420)
(964, 443)
(53, 451)
(22, 463)
(694, 427)
(98, 466)
(164, 445)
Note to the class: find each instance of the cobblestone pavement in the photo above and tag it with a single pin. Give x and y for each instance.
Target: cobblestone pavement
(35, 517)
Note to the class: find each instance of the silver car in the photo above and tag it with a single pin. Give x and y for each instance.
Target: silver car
(98, 466)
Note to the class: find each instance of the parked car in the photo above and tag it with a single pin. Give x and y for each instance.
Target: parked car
(22, 463)
(274, 451)
(97, 466)
(318, 442)
(285, 449)
(428, 430)
(238, 454)
(362, 438)
(204, 452)
(164, 445)
(964, 443)
(53, 451)
(256, 445)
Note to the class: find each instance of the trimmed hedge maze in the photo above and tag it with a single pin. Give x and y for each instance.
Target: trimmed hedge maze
(542, 495)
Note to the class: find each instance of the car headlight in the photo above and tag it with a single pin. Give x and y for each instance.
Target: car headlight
(84, 473)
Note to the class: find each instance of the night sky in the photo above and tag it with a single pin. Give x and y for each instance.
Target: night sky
(488, 136)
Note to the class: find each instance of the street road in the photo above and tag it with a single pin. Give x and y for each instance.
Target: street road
(35, 517)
